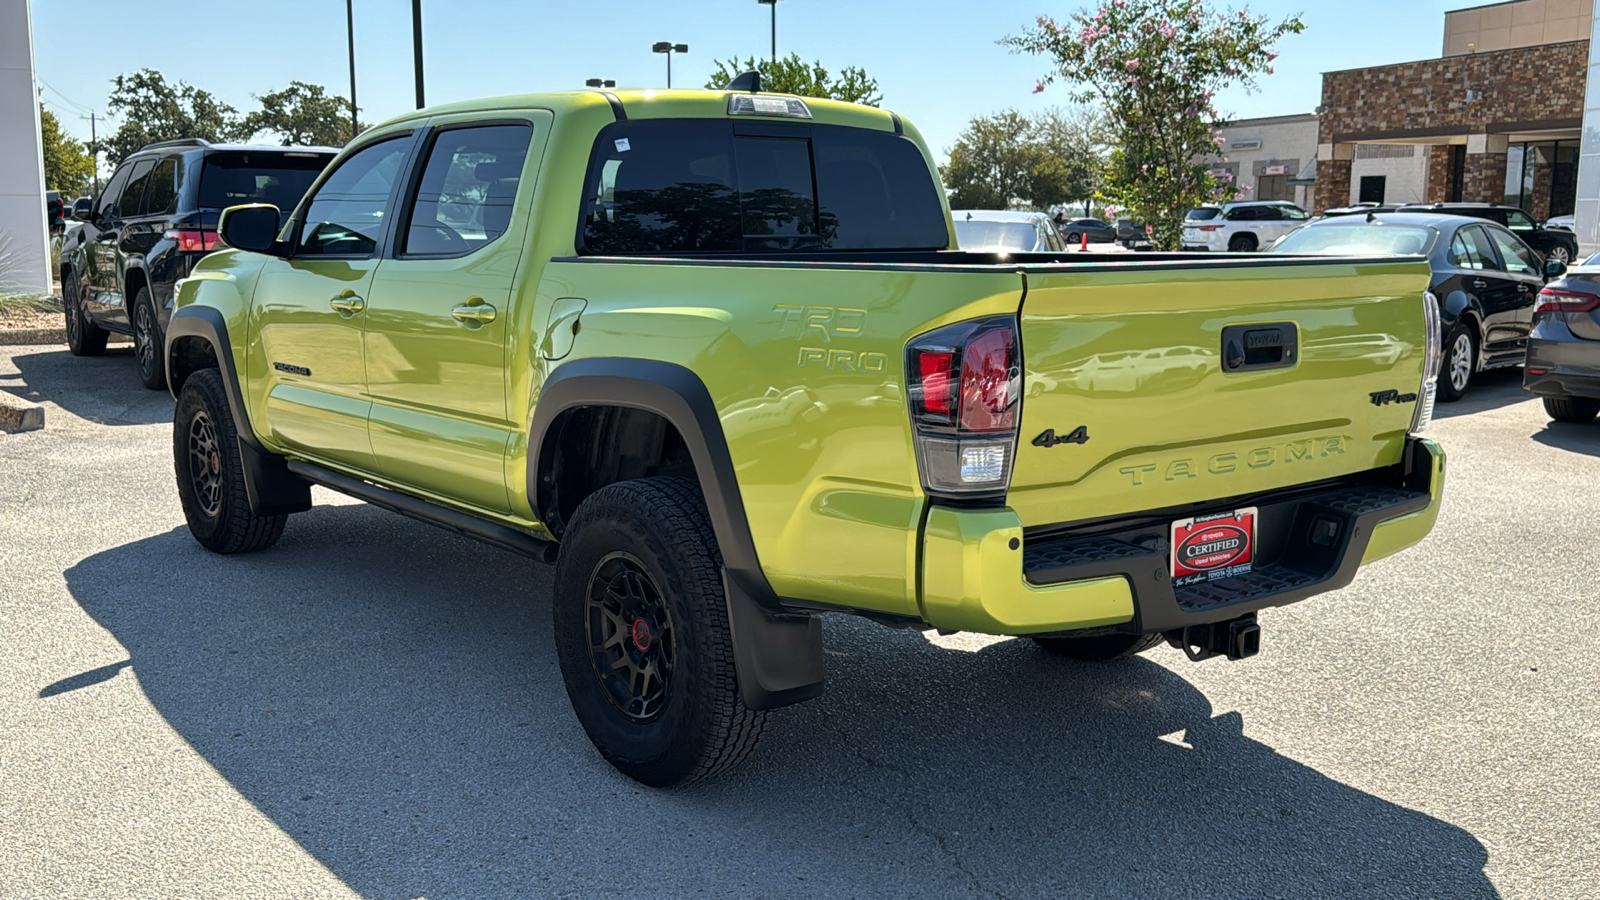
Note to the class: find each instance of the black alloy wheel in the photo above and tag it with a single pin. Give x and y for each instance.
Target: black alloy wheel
(630, 636)
(147, 344)
(205, 465)
(84, 337)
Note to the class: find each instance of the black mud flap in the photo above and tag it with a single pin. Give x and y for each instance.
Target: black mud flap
(778, 657)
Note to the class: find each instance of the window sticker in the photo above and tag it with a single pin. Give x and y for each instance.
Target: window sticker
(622, 145)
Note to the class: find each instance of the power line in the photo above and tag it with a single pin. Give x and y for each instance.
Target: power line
(80, 108)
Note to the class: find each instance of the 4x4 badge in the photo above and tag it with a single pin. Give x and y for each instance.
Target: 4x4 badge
(1049, 439)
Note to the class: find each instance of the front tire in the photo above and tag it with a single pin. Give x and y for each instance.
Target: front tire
(1074, 238)
(210, 471)
(1561, 253)
(641, 630)
(1460, 362)
(1576, 410)
(84, 337)
(148, 348)
(1102, 648)
(1242, 243)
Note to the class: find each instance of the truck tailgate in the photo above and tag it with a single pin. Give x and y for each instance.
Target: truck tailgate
(1193, 383)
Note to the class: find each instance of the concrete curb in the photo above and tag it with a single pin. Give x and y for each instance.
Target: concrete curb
(22, 336)
(17, 414)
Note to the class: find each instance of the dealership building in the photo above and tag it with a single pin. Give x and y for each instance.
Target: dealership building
(1497, 117)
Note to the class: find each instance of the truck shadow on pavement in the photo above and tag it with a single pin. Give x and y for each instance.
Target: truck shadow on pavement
(388, 695)
(1567, 436)
(102, 389)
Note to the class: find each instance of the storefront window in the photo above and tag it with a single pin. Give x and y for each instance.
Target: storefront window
(1542, 178)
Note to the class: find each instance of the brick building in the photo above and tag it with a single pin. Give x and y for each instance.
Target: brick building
(1496, 118)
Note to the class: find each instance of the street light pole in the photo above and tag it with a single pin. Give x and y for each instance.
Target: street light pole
(416, 46)
(350, 32)
(669, 48)
(774, 5)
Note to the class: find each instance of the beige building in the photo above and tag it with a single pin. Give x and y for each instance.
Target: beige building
(1518, 23)
(1271, 157)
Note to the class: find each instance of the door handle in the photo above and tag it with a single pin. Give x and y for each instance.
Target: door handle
(473, 313)
(348, 303)
(1523, 288)
(1479, 283)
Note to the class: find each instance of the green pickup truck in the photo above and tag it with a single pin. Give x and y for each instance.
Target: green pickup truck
(712, 354)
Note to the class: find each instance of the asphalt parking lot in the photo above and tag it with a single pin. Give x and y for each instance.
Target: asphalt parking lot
(373, 709)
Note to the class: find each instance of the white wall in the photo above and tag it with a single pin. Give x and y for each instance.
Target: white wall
(1288, 141)
(1588, 208)
(1405, 177)
(24, 233)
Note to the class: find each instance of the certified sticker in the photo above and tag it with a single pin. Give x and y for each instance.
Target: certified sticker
(622, 145)
(1207, 548)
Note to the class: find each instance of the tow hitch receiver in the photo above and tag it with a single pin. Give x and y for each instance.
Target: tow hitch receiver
(1236, 639)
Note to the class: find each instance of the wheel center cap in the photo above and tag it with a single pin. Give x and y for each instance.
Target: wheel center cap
(216, 463)
(641, 634)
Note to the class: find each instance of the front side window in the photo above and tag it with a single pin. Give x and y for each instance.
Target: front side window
(1515, 254)
(1517, 220)
(1293, 213)
(468, 188)
(347, 215)
(694, 186)
(112, 195)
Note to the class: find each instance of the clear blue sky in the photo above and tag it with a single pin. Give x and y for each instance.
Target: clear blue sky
(936, 61)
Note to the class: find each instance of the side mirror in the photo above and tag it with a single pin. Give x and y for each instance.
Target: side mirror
(1554, 268)
(253, 227)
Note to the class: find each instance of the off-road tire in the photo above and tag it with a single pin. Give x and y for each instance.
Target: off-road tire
(1577, 410)
(84, 337)
(1242, 243)
(1449, 391)
(221, 519)
(1102, 648)
(701, 727)
(149, 350)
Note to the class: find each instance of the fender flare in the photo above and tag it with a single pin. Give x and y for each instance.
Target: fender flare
(777, 653)
(271, 488)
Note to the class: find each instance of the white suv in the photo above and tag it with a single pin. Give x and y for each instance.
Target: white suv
(1241, 227)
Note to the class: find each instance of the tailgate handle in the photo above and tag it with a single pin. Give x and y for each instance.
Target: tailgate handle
(1247, 348)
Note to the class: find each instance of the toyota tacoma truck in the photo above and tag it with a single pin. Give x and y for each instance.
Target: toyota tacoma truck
(714, 355)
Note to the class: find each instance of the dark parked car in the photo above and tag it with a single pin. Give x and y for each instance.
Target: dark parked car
(1548, 243)
(1132, 234)
(1563, 363)
(1486, 280)
(1073, 231)
(54, 210)
(156, 217)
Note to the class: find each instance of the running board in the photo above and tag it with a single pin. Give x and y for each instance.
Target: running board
(427, 511)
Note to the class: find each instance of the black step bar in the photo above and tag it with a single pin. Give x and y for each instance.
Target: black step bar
(427, 511)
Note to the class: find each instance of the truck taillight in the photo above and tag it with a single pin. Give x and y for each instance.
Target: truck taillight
(1551, 300)
(965, 385)
(1432, 358)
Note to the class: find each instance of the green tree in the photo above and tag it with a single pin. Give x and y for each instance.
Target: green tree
(67, 165)
(1082, 136)
(1007, 159)
(1157, 66)
(153, 110)
(792, 75)
(301, 114)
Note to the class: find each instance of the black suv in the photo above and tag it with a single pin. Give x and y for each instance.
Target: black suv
(1548, 243)
(155, 219)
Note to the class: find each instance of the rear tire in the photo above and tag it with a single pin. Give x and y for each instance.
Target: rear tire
(148, 348)
(641, 631)
(1459, 364)
(210, 471)
(1576, 410)
(84, 337)
(1242, 243)
(1074, 238)
(1102, 648)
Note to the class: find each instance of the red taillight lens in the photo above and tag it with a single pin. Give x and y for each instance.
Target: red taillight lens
(193, 240)
(1210, 227)
(935, 369)
(988, 375)
(1552, 300)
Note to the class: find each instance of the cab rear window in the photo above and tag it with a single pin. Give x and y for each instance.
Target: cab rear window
(677, 186)
(232, 178)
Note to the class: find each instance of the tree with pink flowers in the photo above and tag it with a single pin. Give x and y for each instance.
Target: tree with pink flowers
(1157, 66)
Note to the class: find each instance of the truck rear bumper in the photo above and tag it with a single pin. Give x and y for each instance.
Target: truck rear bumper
(981, 573)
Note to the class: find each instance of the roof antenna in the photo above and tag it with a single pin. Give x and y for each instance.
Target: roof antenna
(749, 83)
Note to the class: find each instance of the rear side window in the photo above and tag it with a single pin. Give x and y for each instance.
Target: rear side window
(695, 186)
(161, 191)
(233, 178)
(468, 186)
